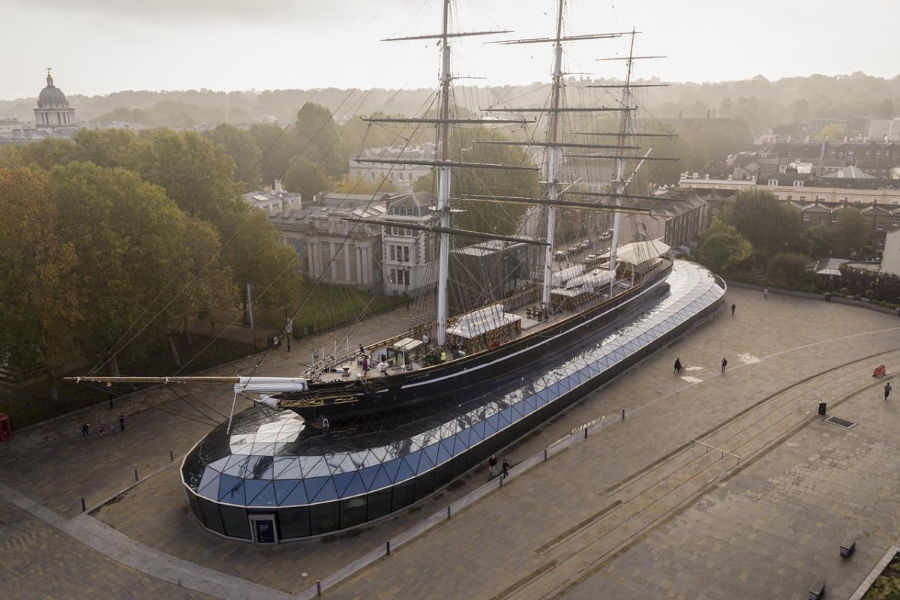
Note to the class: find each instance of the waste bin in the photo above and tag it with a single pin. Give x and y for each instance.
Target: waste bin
(5, 427)
(822, 408)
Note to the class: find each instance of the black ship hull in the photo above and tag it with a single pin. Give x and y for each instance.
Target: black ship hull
(433, 385)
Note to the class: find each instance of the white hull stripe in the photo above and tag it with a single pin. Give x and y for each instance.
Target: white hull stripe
(530, 348)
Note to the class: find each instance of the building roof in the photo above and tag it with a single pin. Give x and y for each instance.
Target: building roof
(850, 172)
(51, 96)
(830, 266)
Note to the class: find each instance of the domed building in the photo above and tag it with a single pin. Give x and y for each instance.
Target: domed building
(53, 113)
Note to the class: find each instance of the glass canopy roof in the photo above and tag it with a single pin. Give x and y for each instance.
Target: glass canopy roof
(271, 460)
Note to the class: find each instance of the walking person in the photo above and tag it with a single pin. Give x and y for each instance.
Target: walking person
(677, 365)
(492, 465)
(85, 430)
(887, 390)
(121, 422)
(765, 293)
(724, 364)
(101, 428)
(733, 306)
(505, 468)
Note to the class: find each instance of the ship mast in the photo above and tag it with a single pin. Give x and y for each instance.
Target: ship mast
(443, 182)
(624, 131)
(552, 171)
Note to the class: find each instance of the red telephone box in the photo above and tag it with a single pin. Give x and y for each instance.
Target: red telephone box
(5, 427)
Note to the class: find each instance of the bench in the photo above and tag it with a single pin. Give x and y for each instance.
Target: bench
(849, 544)
(818, 589)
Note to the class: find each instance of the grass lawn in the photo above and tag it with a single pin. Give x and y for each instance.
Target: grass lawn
(887, 586)
(331, 306)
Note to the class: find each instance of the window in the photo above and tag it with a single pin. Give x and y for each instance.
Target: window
(773, 182)
(789, 197)
(802, 198)
(393, 255)
(879, 224)
(834, 217)
(393, 278)
(798, 183)
(406, 254)
(895, 222)
(806, 216)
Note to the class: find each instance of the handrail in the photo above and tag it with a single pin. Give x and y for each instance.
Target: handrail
(722, 450)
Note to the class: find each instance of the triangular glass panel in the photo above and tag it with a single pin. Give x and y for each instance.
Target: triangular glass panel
(341, 481)
(314, 485)
(413, 460)
(391, 468)
(381, 480)
(426, 462)
(265, 496)
(367, 476)
(283, 490)
(211, 488)
(462, 442)
(464, 436)
(236, 468)
(443, 454)
(448, 446)
(478, 430)
(355, 488)
(231, 490)
(405, 472)
(328, 492)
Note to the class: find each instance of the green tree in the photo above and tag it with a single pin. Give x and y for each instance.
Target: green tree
(257, 256)
(849, 233)
(242, 148)
(770, 225)
(195, 173)
(886, 109)
(832, 132)
(482, 216)
(788, 270)
(722, 247)
(320, 139)
(41, 301)
(819, 240)
(136, 253)
(108, 148)
(47, 153)
(305, 178)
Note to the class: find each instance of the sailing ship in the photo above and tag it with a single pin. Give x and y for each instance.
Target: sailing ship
(437, 361)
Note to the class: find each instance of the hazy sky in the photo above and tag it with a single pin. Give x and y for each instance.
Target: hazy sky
(102, 46)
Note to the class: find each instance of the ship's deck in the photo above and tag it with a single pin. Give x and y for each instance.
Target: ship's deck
(351, 367)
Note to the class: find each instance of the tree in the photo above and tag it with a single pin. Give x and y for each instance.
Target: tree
(136, 256)
(849, 233)
(305, 178)
(108, 148)
(321, 140)
(242, 148)
(886, 109)
(798, 111)
(486, 217)
(41, 301)
(257, 256)
(787, 270)
(47, 153)
(770, 225)
(722, 247)
(195, 173)
(832, 132)
(819, 240)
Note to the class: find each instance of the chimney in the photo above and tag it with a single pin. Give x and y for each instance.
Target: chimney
(277, 187)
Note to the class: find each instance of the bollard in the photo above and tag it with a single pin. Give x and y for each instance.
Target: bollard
(388, 545)
(318, 588)
(501, 481)
(585, 433)
(448, 512)
(545, 455)
(83, 507)
(136, 476)
(623, 414)
(171, 456)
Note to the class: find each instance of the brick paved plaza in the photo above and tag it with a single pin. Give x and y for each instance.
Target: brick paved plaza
(755, 508)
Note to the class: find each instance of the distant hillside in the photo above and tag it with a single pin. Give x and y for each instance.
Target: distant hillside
(758, 102)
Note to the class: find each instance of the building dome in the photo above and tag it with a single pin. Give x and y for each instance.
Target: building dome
(51, 96)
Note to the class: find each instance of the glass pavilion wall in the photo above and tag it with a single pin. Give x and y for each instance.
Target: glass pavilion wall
(313, 484)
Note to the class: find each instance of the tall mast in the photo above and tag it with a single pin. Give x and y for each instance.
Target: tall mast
(624, 132)
(443, 178)
(552, 171)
